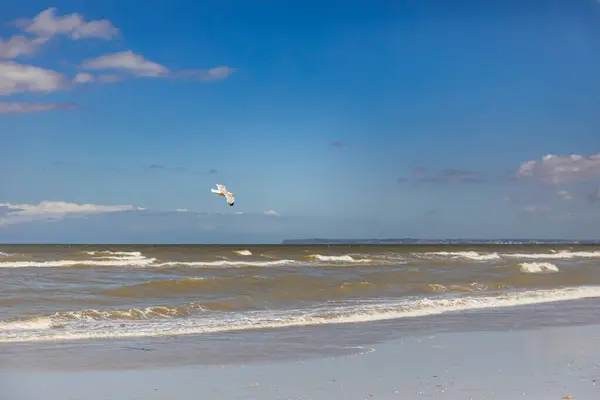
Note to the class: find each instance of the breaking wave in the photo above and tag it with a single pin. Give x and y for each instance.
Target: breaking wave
(138, 259)
(340, 258)
(194, 319)
(537, 267)
(471, 255)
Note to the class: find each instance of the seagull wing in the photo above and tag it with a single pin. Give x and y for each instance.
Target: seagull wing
(221, 188)
(230, 199)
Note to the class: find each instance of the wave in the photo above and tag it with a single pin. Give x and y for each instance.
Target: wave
(475, 256)
(338, 258)
(562, 254)
(138, 259)
(117, 262)
(163, 321)
(537, 267)
(226, 263)
(39, 323)
(471, 255)
(114, 253)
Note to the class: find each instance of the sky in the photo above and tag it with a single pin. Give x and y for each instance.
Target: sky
(386, 119)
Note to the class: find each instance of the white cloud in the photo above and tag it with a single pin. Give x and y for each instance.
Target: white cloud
(217, 73)
(84, 77)
(18, 78)
(20, 213)
(18, 46)
(564, 194)
(208, 75)
(128, 61)
(138, 65)
(557, 170)
(272, 213)
(48, 24)
(24, 108)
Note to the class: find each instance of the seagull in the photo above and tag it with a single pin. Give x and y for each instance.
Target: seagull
(222, 191)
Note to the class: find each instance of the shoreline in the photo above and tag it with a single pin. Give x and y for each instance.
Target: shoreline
(544, 363)
(259, 346)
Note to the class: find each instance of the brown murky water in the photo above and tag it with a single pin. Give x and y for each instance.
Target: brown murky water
(50, 293)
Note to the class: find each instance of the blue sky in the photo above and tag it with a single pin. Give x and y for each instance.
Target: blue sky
(397, 119)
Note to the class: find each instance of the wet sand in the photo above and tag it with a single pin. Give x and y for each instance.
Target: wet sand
(545, 363)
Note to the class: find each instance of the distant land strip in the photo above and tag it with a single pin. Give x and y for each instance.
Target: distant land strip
(439, 241)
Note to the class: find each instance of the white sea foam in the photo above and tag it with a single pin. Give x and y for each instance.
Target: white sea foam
(137, 259)
(537, 267)
(341, 258)
(33, 324)
(355, 312)
(115, 259)
(471, 255)
(115, 253)
(562, 254)
(225, 263)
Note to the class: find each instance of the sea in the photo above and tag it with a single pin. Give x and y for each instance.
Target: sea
(242, 300)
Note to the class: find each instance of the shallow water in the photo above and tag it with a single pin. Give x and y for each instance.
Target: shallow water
(50, 293)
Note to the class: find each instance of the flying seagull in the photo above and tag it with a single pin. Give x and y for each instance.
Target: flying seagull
(222, 191)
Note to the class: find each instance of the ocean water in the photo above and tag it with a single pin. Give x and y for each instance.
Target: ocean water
(68, 293)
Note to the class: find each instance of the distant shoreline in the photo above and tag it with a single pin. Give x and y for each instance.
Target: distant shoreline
(322, 241)
(408, 241)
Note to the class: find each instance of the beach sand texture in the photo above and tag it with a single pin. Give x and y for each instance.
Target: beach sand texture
(548, 363)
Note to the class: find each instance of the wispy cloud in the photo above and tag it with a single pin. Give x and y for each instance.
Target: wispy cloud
(21, 213)
(48, 24)
(208, 75)
(137, 65)
(126, 61)
(25, 108)
(271, 213)
(85, 77)
(19, 78)
(560, 170)
(19, 46)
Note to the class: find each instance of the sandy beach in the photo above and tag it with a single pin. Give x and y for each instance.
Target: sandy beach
(540, 364)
